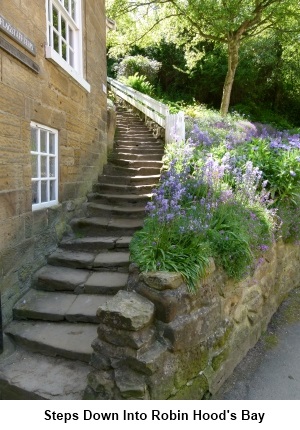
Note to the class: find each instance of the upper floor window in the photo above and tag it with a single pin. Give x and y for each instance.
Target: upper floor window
(44, 162)
(64, 37)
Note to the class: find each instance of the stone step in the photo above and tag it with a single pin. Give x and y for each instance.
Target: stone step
(72, 259)
(100, 210)
(138, 149)
(112, 169)
(57, 306)
(141, 141)
(119, 199)
(89, 244)
(106, 283)
(140, 146)
(52, 278)
(133, 132)
(61, 339)
(122, 189)
(138, 157)
(26, 375)
(101, 226)
(129, 180)
(136, 164)
(88, 260)
(56, 278)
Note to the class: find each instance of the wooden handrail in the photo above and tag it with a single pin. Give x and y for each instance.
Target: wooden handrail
(172, 123)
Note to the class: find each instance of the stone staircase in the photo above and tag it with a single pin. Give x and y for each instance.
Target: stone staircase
(48, 344)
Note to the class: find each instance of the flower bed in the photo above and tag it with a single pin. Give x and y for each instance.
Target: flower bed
(228, 192)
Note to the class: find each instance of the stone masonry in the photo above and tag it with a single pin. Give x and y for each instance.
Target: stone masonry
(48, 344)
(157, 341)
(54, 99)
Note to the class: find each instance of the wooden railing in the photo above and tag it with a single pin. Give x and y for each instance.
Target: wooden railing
(158, 112)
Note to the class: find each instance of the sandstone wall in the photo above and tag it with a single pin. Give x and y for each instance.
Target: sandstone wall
(51, 98)
(157, 341)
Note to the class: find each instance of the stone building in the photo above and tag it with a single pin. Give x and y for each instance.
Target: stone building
(53, 141)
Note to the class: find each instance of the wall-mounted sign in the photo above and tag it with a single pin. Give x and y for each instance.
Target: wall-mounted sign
(12, 50)
(17, 35)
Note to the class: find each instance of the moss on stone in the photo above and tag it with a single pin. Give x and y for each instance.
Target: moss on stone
(270, 340)
(196, 389)
(219, 359)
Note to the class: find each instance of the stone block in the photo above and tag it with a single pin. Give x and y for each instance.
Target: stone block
(187, 331)
(128, 311)
(11, 101)
(133, 339)
(162, 280)
(131, 384)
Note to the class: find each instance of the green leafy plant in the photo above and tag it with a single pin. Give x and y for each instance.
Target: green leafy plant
(139, 83)
(158, 247)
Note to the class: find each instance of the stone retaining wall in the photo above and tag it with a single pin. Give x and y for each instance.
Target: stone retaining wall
(157, 341)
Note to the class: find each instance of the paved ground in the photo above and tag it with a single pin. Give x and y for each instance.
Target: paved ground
(271, 370)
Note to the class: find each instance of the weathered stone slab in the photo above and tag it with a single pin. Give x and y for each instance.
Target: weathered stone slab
(43, 305)
(31, 376)
(106, 282)
(74, 259)
(63, 339)
(111, 259)
(60, 278)
(128, 311)
(84, 308)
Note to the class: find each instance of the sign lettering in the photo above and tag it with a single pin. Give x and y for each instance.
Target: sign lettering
(17, 35)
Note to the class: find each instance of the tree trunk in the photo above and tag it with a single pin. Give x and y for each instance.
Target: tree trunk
(233, 59)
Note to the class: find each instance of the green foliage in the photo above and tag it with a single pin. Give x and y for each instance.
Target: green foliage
(280, 167)
(139, 83)
(236, 232)
(157, 248)
(138, 65)
(201, 30)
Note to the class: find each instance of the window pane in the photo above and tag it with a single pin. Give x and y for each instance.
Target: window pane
(44, 173)
(44, 166)
(66, 4)
(51, 143)
(52, 190)
(55, 17)
(71, 37)
(71, 58)
(63, 28)
(43, 141)
(64, 51)
(56, 42)
(52, 167)
(34, 163)
(35, 192)
(44, 197)
(73, 11)
(34, 143)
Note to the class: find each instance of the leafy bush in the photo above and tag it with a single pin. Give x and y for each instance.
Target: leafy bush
(138, 65)
(139, 83)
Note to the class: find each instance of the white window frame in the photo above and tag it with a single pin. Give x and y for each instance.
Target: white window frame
(47, 155)
(75, 24)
